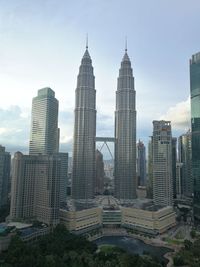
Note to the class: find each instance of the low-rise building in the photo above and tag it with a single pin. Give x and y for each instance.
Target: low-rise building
(153, 221)
(27, 232)
(141, 216)
(81, 221)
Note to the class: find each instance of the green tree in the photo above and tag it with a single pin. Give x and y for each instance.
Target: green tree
(193, 233)
(178, 261)
(187, 244)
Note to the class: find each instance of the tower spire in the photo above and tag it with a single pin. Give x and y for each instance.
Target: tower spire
(125, 43)
(87, 41)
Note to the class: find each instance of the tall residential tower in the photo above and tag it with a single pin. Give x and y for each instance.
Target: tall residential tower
(35, 190)
(83, 173)
(125, 134)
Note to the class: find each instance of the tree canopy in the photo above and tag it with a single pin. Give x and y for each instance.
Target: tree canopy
(63, 249)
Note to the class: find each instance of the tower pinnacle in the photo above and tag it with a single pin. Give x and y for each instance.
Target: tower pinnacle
(125, 43)
(87, 41)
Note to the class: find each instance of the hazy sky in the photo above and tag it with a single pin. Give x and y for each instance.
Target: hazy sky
(42, 43)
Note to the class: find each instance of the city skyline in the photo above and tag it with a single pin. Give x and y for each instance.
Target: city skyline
(160, 62)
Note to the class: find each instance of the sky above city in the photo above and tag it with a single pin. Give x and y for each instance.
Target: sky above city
(42, 43)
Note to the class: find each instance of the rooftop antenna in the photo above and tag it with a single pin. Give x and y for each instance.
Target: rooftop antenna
(87, 41)
(125, 43)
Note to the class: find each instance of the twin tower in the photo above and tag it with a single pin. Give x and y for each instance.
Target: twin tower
(83, 175)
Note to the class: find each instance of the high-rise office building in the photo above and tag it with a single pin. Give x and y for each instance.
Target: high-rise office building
(141, 163)
(179, 166)
(185, 158)
(35, 189)
(150, 169)
(195, 124)
(45, 132)
(83, 173)
(100, 174)
(4, 175)
(174, 160)
(162, 163)
(44, 137)
(63, 176)
(125, 134)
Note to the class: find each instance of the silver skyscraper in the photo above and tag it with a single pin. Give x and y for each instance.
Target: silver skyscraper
(83, 173)
(125, 134)
(44, 125)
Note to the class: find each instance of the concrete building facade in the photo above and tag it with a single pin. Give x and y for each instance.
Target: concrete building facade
(35, 188)
(81, 220)
(140, 217)
(162, 163)
(148, 221)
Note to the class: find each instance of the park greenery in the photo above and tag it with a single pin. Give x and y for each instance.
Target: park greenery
(189, 255)
(63, 249)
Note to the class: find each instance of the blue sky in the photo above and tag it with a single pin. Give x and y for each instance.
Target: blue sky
(42, 43)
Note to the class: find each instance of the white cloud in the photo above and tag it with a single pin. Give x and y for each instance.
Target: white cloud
(14, 130)
(3, 130)
(179, 115)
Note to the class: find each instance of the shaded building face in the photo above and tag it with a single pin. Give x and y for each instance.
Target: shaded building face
(83, 173)
(185, 158)
(5, 159)
(141, 163)
(150, 169)
(125, 134)
(174, 159)
(195, 123)
(100, 174)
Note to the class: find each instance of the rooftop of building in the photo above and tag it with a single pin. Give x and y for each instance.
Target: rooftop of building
(78, 205)
(31, 230)
(46, 91)
(143, 204)
(5, 229)
(19, 225)
(195, 58)
(109, 203)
